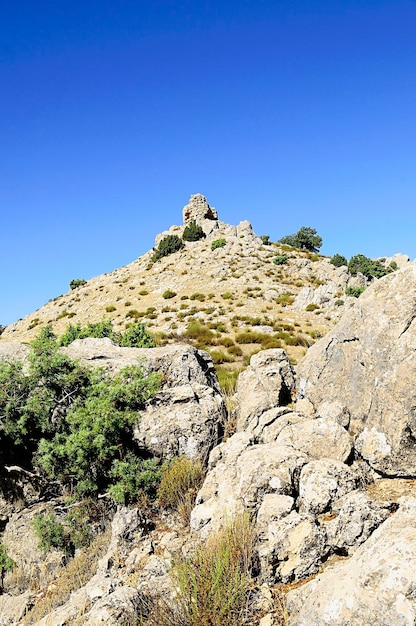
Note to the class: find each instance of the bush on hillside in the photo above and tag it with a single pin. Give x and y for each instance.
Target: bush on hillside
(77, 282)
(338, 260)
(368, 267)
(75, 423)
(354, 292)
(218, 243)
(281, 259)
(193, 232)
(168, 245)
(136, 335)
(305, 239)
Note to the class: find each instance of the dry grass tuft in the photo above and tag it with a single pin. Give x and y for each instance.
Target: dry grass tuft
(213, 585)
(72, 577)
(181, 480)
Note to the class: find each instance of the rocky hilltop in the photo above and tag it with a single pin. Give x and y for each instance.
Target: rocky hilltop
(231, 289)
(319, 461)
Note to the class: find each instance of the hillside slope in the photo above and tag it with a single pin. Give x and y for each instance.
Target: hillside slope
(203, 295)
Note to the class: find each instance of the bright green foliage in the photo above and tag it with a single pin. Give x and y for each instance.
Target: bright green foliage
(281, 259)
(168, 245)
(73, 422)
(355, 292)
(368, 267)
(193, 232)
(98, 432)
(51, 533)
(77, 282)
(306, 239)
(6, 564)
(33, 404)
(218, 243)
(136, 335)
(266, 240)
(133, 477)
(338, 260)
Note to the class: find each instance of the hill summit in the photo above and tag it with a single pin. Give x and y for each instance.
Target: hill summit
(229, 291)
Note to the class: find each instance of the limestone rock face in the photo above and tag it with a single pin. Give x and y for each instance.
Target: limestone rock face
(179, 364)
(321, 482)
(198, 209)
(356, 517)
(266, 383)
(294, 548)
(240, 474)
(375, 586)
(183, 421)
(367, 363)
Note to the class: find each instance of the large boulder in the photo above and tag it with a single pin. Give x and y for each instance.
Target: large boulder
(266, 383)
(375, 586)
(367, 365)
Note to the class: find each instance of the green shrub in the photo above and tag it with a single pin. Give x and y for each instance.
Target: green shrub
(355, 292)
(312, 306)
(110, 308)
(96, 434)
(197, 296)
(218, 356)
(218, 243)
(368, 267)
(281, 259)
(6, 565)
(227, 342)
(72, 422)
(250, 337)
(227, 296)
(136, 335)
(306, 239)
(266, 240)
(285, 299)
(77, 282)
(169, 294)
(168, 245)
(235, 350)
(51, 533)
(339, 302)
(134, 478)
(338, 260)
(200, 334)
(193, 232)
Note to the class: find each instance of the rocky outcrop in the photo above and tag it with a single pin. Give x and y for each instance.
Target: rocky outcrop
(266, 383)
(367, 365)
(198, 209)
(375, 586)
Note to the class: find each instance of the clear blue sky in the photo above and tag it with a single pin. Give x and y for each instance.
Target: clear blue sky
(287, 113)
